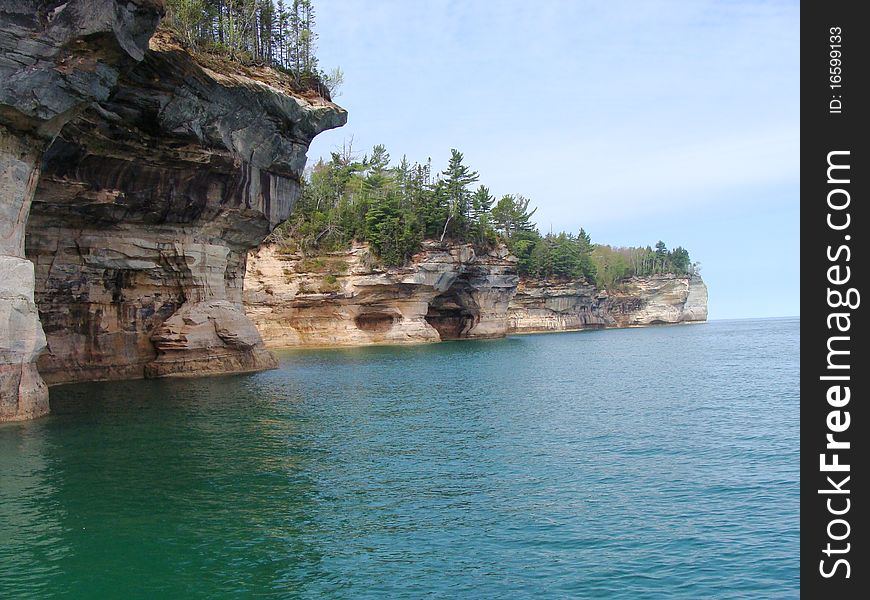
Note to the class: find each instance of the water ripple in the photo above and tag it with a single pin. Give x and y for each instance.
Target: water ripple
(654, 463)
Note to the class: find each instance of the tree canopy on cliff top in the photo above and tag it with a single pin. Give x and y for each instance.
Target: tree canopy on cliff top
(395, 207)
(277, 32)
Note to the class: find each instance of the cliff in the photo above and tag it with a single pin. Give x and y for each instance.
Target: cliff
(134, 178)
(544, 305)
(448, 291)
(541, 306)
(658, 300)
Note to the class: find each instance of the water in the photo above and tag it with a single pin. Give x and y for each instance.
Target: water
(641, 463)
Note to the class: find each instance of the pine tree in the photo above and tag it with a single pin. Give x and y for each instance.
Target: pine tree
(585, 247)
(457, 178)
(512, 215)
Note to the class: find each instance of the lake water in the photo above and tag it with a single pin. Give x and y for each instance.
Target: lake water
(659, 462)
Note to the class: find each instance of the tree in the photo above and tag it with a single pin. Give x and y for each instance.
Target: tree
(188, 15)
(333, 82)
(457, 178)
(481, 206)
(257, 30)
(512, 215)
(661, 257)
(395, 207)
(585, 247)
(679, 260)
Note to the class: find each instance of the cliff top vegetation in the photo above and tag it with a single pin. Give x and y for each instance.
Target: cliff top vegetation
(253, 35)
(394, 207)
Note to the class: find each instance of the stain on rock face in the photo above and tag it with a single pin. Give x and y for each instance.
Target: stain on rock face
(161, 175)
(55, 59)
(447, 292)
(573, 305)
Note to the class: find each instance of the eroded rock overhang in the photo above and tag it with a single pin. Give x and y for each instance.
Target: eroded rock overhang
(56, 57)
(140, 177)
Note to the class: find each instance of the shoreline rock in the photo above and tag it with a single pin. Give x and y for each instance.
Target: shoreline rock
(54, 61)
(449, 291)
(544, 306)
(446, 292)
(133, 182)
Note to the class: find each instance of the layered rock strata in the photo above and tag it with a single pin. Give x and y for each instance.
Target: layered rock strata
(541, 306)
(140, 176)
(544, 305)
(446, 292)
(146, 208)
(659, 300)
(56, 57)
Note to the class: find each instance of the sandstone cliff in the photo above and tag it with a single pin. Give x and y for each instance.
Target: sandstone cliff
(659, 299)
(541, 306)
(139, 176)
(447, 292)
(55, 58)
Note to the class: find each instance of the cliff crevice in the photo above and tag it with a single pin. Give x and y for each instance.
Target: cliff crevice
(448, 291)
(134, 177)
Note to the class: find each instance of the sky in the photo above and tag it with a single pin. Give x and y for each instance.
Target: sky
(638, 120)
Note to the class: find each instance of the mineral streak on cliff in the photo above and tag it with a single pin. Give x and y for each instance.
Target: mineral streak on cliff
(141, 177)
(448, 291)
(55, 58)
(541, 306)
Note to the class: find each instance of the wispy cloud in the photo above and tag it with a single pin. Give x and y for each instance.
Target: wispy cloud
(598, 111)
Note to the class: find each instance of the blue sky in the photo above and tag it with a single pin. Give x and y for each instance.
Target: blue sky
(638, 120)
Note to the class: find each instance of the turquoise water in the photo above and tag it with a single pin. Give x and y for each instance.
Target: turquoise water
(654, 463)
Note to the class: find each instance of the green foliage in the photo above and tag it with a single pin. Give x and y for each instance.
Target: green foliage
(390, 231)
(324, 264)
(395, 207)
(565, 256)
(454, 193)
(277, 32)
(511, 215)
(554, 256)
(329, 285)
(615, 263)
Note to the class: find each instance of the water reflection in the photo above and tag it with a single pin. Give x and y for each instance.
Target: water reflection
(169, 485)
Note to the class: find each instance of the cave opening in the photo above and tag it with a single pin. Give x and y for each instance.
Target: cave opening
(454, 313)
(375, 322)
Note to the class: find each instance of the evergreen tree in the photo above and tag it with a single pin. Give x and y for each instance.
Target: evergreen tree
(257, 30)
(395, 207)
(481, 206)
(457, 178)
(512, 215)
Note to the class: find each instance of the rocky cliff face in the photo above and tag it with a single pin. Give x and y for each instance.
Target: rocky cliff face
(542, 305)
(55, 59)
(659, 300)
(447, 292)
(564, 306)
(140, 176)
